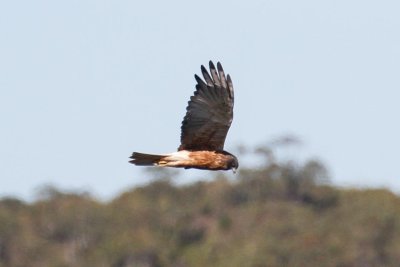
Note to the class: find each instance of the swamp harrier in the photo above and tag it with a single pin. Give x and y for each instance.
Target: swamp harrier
(204, 128)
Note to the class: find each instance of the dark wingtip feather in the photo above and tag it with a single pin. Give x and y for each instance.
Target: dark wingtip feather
(199, 80)
(214, 74)
(221, 74)
(211, 64)
(219, 66)
(203, 69)
(230, 85)
(206, 76)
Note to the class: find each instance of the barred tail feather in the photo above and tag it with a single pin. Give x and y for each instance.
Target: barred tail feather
(142, 159)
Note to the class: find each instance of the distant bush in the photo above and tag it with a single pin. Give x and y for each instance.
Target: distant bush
(278, 214)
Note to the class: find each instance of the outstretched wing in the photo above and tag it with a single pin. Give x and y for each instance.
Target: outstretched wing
(209, 112)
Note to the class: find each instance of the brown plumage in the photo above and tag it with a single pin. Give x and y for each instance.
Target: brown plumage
(204, 127)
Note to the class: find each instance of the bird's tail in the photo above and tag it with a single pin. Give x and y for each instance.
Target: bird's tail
(142, 159)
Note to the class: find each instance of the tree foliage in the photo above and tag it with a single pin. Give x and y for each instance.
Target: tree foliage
(279, 214)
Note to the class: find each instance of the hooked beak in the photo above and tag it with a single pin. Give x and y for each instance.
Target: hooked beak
(234, 170)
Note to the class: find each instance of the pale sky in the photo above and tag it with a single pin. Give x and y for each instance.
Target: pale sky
(85, 83)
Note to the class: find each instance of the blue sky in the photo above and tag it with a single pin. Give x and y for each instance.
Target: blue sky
(85, 83)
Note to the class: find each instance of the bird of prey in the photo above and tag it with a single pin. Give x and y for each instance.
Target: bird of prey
(204, 127)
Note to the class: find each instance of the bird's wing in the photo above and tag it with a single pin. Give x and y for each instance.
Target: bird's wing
(209, 112)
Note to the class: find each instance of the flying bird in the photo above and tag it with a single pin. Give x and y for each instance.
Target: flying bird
(204, 128)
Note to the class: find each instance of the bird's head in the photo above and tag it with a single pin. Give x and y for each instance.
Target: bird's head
(233, 163)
